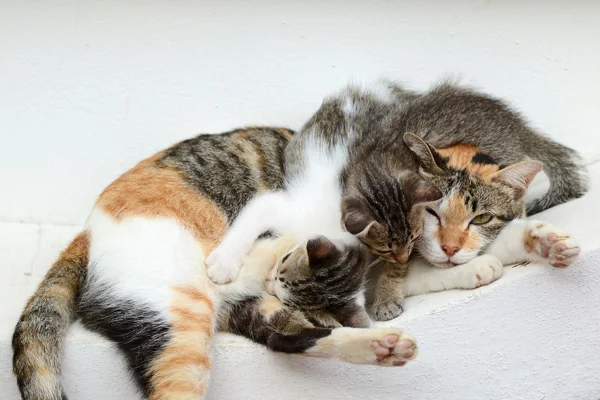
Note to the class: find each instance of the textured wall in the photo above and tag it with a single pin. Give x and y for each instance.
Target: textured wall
(90, 88)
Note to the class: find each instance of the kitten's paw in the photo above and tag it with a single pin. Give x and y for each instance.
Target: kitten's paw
(394, 349)
(480, 271)
(222, 266)
(388, 347)
(384, 310)
(555, 246)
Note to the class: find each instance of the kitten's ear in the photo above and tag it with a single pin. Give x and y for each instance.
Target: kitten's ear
(319, 248)
(418, 191)
(356, 216)
(518, 176)
(357, 219)
(431, 161)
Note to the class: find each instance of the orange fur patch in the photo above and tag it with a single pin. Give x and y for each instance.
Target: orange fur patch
(152, 191)
(455, 214)
(78, 250)
(461, 156)
(181, 370)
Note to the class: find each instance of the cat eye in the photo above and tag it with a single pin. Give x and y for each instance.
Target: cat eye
(430, 211)
(285, 257)
(482, 219)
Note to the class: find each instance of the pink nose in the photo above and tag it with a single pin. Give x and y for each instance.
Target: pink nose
(450, 249)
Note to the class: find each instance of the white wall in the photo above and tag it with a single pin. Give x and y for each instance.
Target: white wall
(89, 88)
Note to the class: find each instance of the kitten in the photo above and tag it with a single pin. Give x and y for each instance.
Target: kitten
(482, 210)
(341, 182)
(134, 275)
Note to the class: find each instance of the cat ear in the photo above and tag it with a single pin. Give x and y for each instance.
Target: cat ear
(357, 219)
(356, 216)
(319, 248)
(418, 191)
(518, 176)
(430, 160)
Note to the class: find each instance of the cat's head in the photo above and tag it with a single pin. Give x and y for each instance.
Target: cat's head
(479, 199)
(318, 274)
(384, 210)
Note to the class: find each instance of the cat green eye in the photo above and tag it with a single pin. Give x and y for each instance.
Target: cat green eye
(482, 219)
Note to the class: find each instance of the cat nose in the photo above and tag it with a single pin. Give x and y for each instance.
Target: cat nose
(401, 259)
(450, 249)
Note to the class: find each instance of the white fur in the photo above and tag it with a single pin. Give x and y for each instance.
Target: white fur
(424, 278)
(349, 108)
(383, 92)
(310, 206)
(507, 248)
(141, 258)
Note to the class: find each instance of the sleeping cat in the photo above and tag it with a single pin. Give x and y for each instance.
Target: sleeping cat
(475, 215)
(482, 205)
(135, 276)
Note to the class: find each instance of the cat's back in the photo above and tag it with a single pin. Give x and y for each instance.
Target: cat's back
(448, 113)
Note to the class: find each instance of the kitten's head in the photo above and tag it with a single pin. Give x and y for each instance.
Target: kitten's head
(479, 199)
(384, 210)
(319, 274)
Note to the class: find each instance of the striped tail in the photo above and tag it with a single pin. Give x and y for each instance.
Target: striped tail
(39, 334)
(564, 168)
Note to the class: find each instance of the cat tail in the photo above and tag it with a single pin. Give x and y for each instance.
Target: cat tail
(39, 335)
(565, 170)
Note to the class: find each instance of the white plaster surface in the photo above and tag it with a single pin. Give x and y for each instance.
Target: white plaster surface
(90, 88)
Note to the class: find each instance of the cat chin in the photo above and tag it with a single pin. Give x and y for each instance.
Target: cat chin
(443, 265)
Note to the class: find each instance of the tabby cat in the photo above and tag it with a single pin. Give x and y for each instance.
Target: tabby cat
(483, 184)
(135, 276)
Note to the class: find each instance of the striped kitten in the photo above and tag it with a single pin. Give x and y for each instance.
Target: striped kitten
(482, 211)
(136, 276)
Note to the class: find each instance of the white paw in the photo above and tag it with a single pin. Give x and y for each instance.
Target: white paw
(555, 246)
(393, 348)
(481, 270)
(223, 265)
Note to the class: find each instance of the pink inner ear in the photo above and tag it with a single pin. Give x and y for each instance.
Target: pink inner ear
(518, 176)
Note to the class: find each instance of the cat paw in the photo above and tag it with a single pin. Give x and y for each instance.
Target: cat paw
(394, 349)
(386, 310)
(480, 271)
(388, 347)
(222, 266)
(553, 245)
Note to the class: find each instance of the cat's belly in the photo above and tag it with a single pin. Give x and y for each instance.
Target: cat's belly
(142, 259)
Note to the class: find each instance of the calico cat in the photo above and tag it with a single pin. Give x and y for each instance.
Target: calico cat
(136, 276)
(483, 184)
(478, 213)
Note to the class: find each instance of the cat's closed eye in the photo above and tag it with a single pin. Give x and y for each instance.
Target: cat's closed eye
(285, 258)
(430, 211)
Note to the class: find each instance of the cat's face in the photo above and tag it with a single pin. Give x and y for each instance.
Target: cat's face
(479, 199)
(318, 274)
(386, 213)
